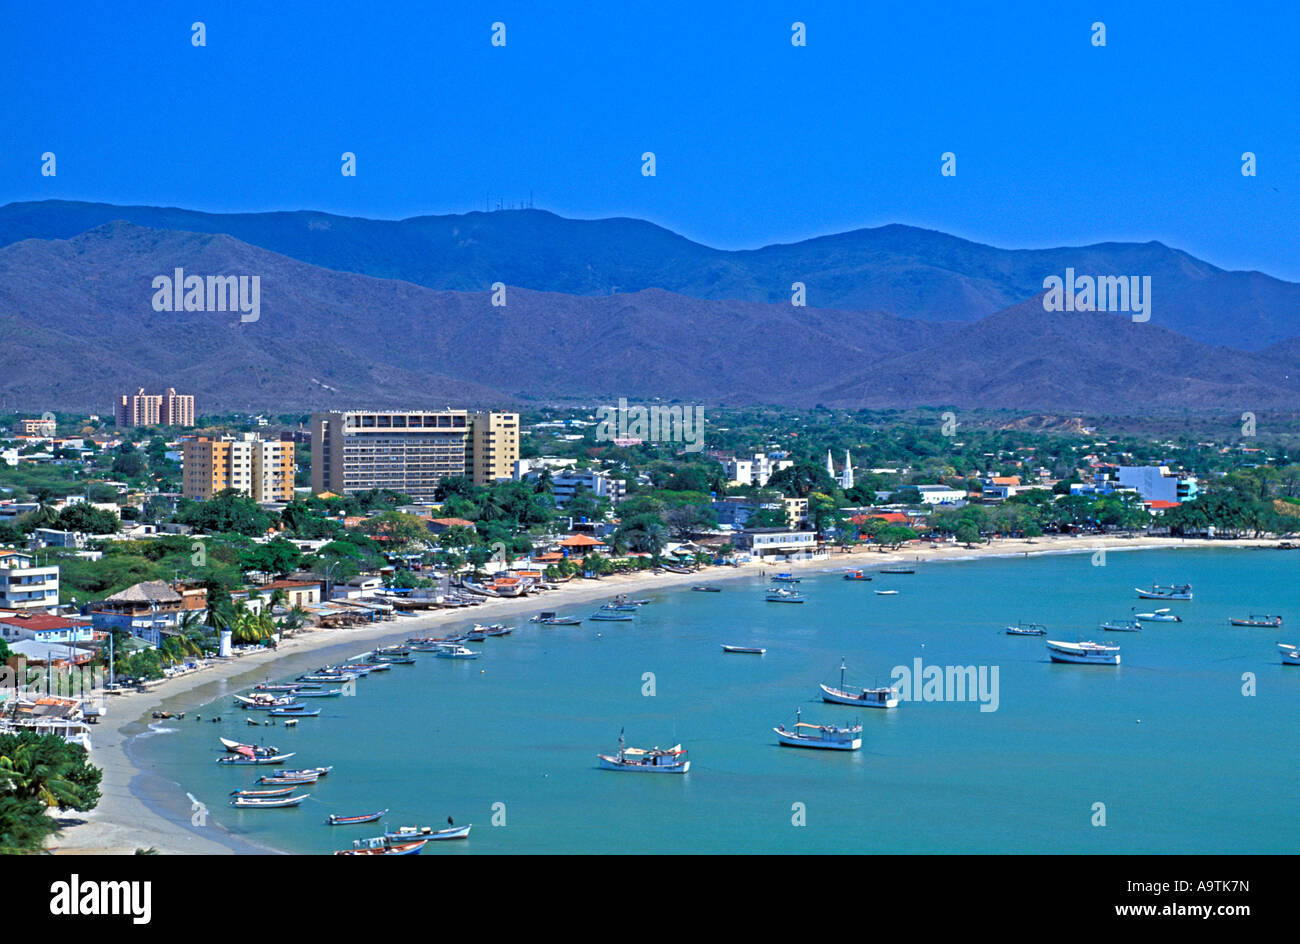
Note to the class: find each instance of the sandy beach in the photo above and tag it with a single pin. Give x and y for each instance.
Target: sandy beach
(141, 810)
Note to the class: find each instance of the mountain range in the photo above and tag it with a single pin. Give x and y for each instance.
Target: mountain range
(385, 313)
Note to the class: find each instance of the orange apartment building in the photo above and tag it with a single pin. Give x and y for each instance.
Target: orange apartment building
(261, 469)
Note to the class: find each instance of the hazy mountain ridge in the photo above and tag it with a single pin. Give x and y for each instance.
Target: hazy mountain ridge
(910, 272)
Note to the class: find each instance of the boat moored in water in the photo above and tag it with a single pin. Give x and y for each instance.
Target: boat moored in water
(856, 575)
(611, 616)
(383, 847)
(704, 588)
(1261, 621)
(455, 652)
(782, 595)
(1083, 653)
(1027, 629)
(241, 759)
(1159, 616)
(336, 820)
(548, 618)
(828, 737)
(428, 833)
(1122, 626)
(886, 697)
(1290, 654)
(266, 803)
(751, 650)
(651, 761)
(1173, 592)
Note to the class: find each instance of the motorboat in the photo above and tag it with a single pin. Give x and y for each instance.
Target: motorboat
(1122, 626)
(822, 736)
(886, 697)
(751, 650)
(1158, 616)
(651, 760)
(1173, 592)
(1083, 653)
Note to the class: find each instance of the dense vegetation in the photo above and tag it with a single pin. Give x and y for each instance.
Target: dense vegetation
(38, 772)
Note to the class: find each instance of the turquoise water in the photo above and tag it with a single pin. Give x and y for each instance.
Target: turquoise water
(1207, 769)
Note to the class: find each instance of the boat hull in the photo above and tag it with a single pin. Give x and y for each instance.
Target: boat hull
(608, 762)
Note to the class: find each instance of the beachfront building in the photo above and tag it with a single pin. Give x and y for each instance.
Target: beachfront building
(408, 451)
(1157, 483)
(776, 544)
(492, 448)
(146, 610)
(261, 469)
(142, 409)
(26, 586)
(16, 625)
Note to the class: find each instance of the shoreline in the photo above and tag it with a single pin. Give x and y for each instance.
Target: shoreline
(140, 809)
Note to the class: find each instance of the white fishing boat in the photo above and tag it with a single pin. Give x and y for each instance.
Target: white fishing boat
(1122, 626)
(862, 697)
(886, 593)
(1158, 616)
(1290, 654)
(411, 833)
(1083, 653)
(455, 652)
(828, 737)
(266, 803)
(782, 595)
(1027, 629)
(650, 761)
(1157, 592)
(612, 616)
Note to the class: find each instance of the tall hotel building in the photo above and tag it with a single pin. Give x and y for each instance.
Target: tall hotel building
(408, 451)
(142, 409)
(493, 447)
(261, 469)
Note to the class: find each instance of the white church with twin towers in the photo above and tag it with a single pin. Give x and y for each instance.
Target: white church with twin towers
(845, 479)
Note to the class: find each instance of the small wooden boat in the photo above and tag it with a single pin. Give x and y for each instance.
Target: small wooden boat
(427, 833)
(284, 687)
(278, 792)
(886, 593)
(786, 578)
(621, 607)
(258, 750)
(281, 781)
(856, 575)
(751, 650)
(362, 669)
(337, 820)
(240, 760)
(293, 713)
(336, 677)
(383, 847)
(612, 616)
(455, 652)
(1159, 616)
(1261, 621)
(1157, 592)
(1122, 626)
(303, 772)
(823, 736)
(1027, 629)
(324, 693)
(898, 570)
(547, 618)
(1290, 654)
(650, 761)
(259, 803)
(863, 697)
(265, 702)
(1083, 653)
(701, 588)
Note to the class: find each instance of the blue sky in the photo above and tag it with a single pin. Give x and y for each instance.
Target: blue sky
(1057, 142)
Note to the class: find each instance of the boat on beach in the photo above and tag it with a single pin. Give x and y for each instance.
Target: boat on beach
(820, 736)
(1259, 620)
(650, 761)
(267, 803)
(336, 820)
(1083, 653)
(1172, 592)
(886, 697)
(751, 650)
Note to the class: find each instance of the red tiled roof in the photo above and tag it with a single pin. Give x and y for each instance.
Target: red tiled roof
(37, 621)
(1161, 503)
(581, 540)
